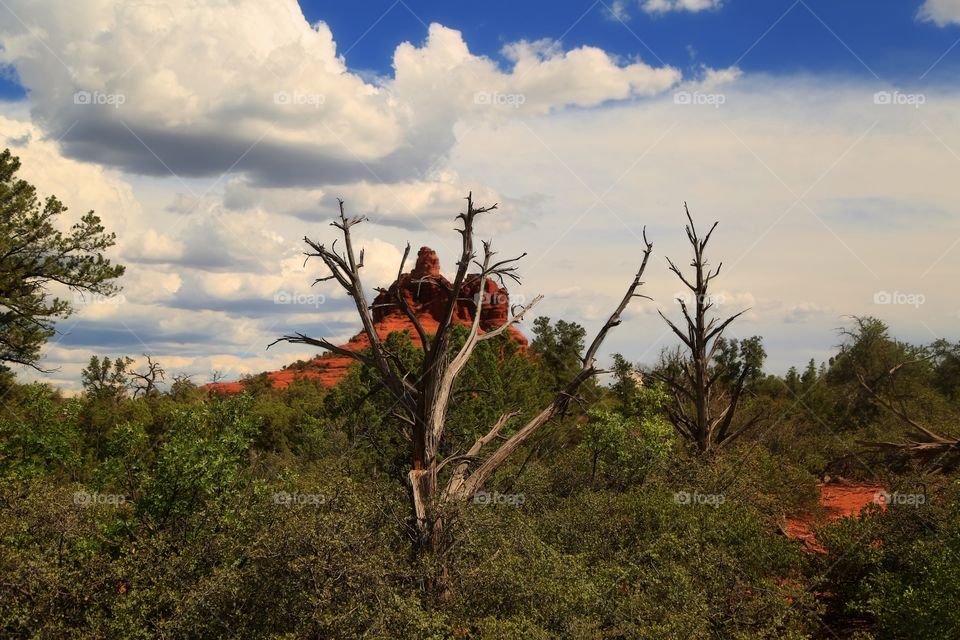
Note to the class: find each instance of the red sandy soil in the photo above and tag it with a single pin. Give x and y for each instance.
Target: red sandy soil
(838, 499)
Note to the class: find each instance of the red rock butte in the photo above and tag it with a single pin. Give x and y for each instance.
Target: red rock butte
(425, 291)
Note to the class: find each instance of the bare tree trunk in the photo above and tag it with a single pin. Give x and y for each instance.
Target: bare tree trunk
(424, 397)
(693, 383)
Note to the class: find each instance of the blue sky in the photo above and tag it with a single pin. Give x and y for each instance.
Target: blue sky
(833, 200)
(854, 37)
(884, 34)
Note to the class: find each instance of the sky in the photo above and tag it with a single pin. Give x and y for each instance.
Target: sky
(213, 135)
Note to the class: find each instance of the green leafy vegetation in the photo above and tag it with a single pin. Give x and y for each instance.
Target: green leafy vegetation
(36, 254)
(144, 508)
(283, 514)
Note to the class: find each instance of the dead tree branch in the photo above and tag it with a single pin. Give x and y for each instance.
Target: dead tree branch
(692, 377)
(426, 396)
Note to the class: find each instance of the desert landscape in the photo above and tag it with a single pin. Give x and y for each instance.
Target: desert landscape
(623, 319)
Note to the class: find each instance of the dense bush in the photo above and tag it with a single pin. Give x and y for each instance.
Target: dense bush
(900, 566)
(285, 513)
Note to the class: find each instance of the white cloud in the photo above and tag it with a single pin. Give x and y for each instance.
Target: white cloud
(206, 257)
(618, 10)
(206, 71)
(413, 204)
(940, 12)
(584, 77)
(381, 260)
(664, 6)
(805, 312)
(79, 185)
(147, 286)
(233, 285)
(197, 89)
(710, 79)
(745, 164)
(154, 246)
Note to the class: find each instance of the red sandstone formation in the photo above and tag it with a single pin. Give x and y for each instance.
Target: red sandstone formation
(425, 290)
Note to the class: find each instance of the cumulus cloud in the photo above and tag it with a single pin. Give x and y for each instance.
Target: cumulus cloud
(693, 6)
(79, 185)
(587, 76)
(203, 282)
(197, 89)
(799, 173)
(709, 79)
(190, 86)
(940, 12)
(414, 204)
(155, 246)
(147, 286)
(618, 10)
(804, 312)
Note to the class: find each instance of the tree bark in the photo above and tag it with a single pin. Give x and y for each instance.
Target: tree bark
(426, 399)
(693, 385)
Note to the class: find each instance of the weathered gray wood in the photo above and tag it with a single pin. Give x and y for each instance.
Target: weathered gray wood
(708, 426)
(427, 396)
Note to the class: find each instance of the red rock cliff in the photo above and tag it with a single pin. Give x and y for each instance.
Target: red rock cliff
(425, 291)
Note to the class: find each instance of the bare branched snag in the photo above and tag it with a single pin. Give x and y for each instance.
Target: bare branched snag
(424, 396)
(702, 413)
(923, 444)
(146, 382)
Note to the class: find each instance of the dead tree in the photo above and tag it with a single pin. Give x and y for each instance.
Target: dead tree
(423, 397)
(693, 378)
(924, 444)
(146, 382)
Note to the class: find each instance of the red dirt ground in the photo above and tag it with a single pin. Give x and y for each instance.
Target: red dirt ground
(837, 499)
